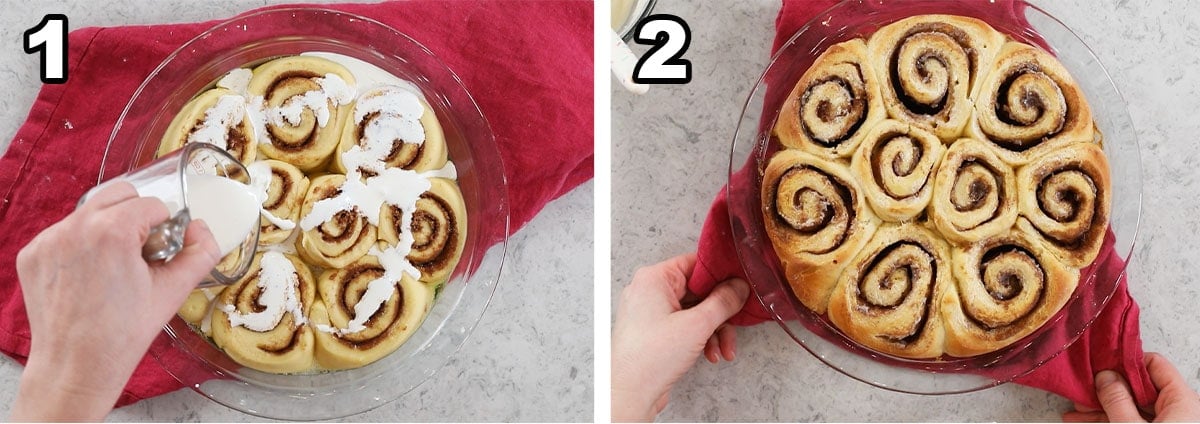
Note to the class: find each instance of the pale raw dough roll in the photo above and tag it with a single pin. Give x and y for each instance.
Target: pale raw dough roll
(431, 154)
(927, 67)
(1008, 286)
(285, 196)
(895, 165)
(1029, 105)
(391, 325)
(195, 309)
(239, 138)
(817, 220)
(340, 240)
(439, 228)
(887, 298)
(1065, 196)
(833, 105)
(974, 193)
(286, 348)
(306, 144)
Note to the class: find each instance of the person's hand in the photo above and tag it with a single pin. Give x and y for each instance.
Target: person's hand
(94, 305)
(655, 340)
(1176, 400)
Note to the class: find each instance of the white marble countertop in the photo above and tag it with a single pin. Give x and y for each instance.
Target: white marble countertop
(671, 150)
(530, 358)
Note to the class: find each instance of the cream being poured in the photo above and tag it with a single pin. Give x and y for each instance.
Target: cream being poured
(260, 183)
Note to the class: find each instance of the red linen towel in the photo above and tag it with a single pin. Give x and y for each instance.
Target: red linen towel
(1112, 342)
(535, 90)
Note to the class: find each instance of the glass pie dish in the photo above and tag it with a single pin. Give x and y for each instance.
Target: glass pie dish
(753, 146)
(254, 38)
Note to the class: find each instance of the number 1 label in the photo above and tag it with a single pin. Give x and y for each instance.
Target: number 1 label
(50, 39)
(663, 63)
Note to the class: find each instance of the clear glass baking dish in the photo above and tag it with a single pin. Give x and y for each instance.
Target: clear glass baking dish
(255, 38)
(753, 146)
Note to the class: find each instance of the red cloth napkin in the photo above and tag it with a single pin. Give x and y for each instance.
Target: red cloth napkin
(1112, 342)
(535, 90)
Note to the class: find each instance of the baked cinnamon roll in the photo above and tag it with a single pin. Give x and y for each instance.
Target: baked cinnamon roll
(304, 101)
(895, 165)
(1065, 200)
(1029, 105)
(817, 220)
(887, 298)
(1007, 287)
(927, 66)
(833, 104)
(974, 193)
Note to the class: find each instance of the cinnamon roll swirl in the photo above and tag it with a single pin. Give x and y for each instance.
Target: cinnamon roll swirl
(927, 66)
(339, 344)
(260, 320)
(817, 220)
(375, 116)
(895, 165)
(974, 193)
(1007, 287)
(283, 189)
(1065, 199)
(1029, 105)
(438, 229)
(217, 116)
(833, 104)
(339, 240)
(887, 298)
(304, 101)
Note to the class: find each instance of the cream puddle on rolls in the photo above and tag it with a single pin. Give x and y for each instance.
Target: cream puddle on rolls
(360, 210)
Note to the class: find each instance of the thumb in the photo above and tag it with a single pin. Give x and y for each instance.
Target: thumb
(1115, 398)
(724, 301)
(198, 256)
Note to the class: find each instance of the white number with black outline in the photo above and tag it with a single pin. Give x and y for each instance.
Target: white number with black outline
(49, 38)
(663, 63)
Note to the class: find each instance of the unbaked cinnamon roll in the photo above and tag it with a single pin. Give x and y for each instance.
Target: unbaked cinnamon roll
(260, 320)
(304, 101)
(833, 104)
(887, 298)
(927, 66)
(283, 188)
(974, 193)
(1007, 287)
(217, 116)
(438, 229)
(1065, 197)
(345, 340)
(1029, 105)
(817, 220)
(340, 240)
(895, 165)
(383, 113)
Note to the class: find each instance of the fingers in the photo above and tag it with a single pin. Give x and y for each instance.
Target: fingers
(110, 194)
(1115, 397)
(1162, 373)
(727, 340)
(657, 288)
(724, 301)
(141, 212)
(711, 349)
(199, 255)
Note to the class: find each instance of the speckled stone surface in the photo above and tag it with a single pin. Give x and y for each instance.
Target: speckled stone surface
(530, 358)
(671, 152)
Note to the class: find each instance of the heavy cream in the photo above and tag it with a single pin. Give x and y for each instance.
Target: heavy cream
(279, 294)
(333, 89)
(226, 206)
(399, 116)
(366, 75)
(378, 290)
(227, 113)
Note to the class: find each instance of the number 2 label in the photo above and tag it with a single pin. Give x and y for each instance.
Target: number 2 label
(663, 64)
(50, 39)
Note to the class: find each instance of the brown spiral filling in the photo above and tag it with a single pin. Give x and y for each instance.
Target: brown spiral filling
(284, 87)
(814, 204)
(892, 276)
(434, 236)
(1068, 196)
(976, 194)
(1013, 284)
(924, 66)
(1031, 100)
(352, 285)
(903, 176)
(285, 186)
(246, 300)
(403, 154)
(833, 109)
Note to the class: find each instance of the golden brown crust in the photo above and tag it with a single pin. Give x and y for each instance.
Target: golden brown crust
(833, 105)
(974, 193)
(887, 298)
(927, 67)
(895, 165)
(1065, 198)
(817, 220)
